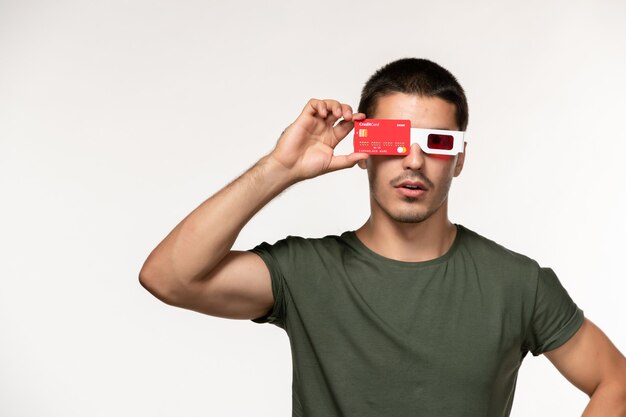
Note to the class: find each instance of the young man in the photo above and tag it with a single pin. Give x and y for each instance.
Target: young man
(408, 315)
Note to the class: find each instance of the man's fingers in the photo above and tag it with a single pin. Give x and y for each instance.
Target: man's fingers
(331, 111)
(343, 128)
(346, 112)
(345, 161)
(321, 108)
(316, 107)
(328, 109)
(334, 111)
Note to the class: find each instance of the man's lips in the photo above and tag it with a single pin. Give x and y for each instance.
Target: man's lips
(412, 185)
(412, 189)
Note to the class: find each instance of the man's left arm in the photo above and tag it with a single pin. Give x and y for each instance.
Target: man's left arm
(591, 362)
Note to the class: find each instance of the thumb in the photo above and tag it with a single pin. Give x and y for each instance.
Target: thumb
(346, 161)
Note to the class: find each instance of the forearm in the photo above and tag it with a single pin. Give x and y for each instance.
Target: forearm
(608, 400)
(202, 239)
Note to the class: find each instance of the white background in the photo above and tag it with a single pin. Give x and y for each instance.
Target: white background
(117, 118)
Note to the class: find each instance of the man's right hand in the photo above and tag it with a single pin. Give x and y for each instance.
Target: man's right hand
(306, 147)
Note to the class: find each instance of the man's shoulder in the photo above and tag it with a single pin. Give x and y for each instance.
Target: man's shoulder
(299, 243)
(489, 249)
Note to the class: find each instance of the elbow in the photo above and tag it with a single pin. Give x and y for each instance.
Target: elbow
(157, 284)
(149, 283)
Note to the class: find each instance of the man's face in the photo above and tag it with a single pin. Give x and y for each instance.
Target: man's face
(411, 188)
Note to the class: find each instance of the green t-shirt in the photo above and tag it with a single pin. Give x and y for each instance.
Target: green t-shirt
(372, 336)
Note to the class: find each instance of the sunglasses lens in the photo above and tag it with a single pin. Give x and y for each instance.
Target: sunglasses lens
(443, 142)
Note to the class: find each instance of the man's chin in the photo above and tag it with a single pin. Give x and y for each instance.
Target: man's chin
(418, 212)
(410, 218)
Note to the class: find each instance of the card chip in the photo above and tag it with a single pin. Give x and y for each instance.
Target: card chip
(362, 133)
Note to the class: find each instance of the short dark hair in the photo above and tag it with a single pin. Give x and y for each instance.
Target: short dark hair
(415, 76)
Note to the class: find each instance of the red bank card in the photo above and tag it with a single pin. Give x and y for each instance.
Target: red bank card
(382, 136)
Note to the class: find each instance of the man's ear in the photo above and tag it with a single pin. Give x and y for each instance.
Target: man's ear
(460, 161)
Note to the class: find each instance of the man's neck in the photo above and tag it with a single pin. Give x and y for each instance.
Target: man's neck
(408, 242)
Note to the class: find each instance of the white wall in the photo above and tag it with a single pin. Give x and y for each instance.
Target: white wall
(117, 118)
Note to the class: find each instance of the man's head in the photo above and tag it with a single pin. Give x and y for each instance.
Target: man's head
(414, 187)
(415, 76)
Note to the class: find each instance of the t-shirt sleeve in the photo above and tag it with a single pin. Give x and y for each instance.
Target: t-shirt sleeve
(556, 318)
(276, 314)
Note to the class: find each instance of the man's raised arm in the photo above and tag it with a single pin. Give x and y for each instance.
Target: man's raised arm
(194, 266)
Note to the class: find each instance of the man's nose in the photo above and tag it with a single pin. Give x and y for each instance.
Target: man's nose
(415, 159)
